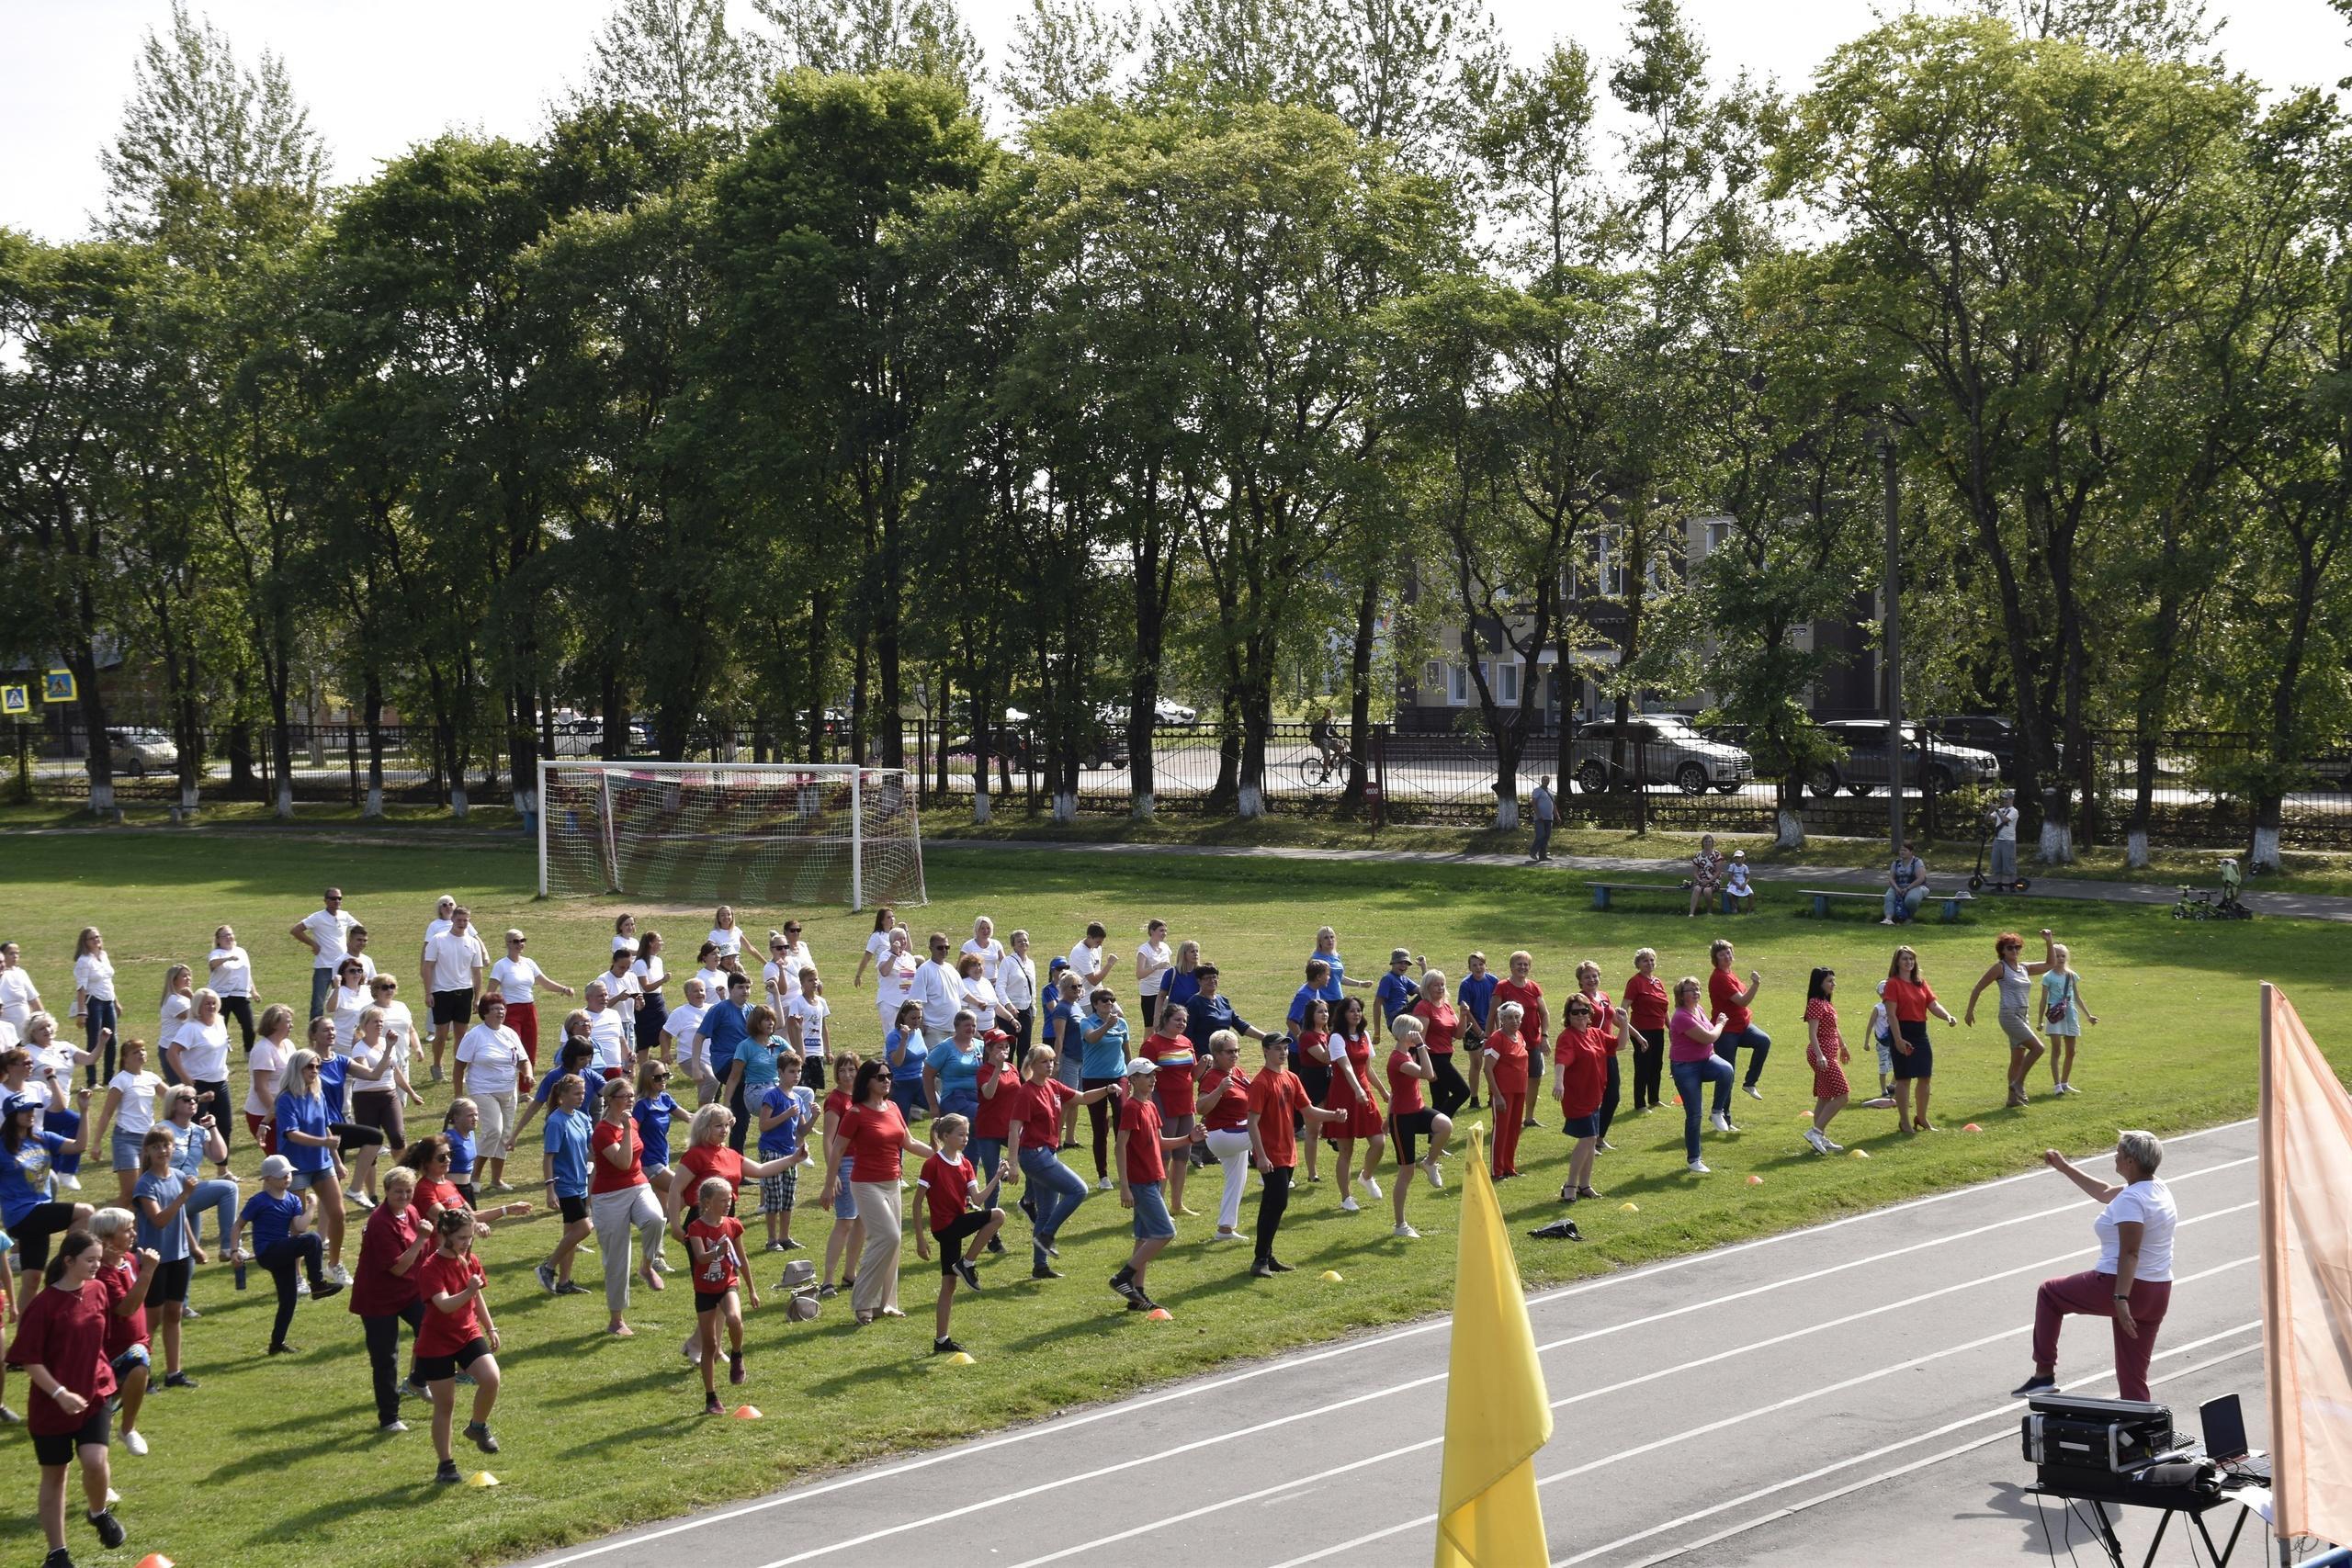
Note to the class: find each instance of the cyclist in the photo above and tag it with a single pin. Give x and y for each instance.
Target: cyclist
(1328, 744)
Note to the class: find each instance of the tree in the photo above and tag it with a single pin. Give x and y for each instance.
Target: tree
(677, 61)
(1065, 52)
(2017, 286)
(923, 38)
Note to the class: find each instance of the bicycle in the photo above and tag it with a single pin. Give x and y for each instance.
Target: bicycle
(1319, 772)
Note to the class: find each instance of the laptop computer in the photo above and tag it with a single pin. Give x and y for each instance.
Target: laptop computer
(2222, 1421)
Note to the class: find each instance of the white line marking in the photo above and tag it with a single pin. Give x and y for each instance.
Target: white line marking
(1718, 1426)
(1292, 1363)
(2008, 1410)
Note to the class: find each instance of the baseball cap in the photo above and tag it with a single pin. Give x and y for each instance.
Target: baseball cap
(277, 1165)
(1141, 1067)
(18, 1104)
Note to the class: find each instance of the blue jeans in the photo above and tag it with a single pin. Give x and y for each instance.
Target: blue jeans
(100, 1016)
(908, 1096)
(987, 1153)
(220, 1196)
(321, 983)
(1909, 899)
(1543, 839)
(961, 1102)
(1689, 1078)
(66, 1125)
(1058, 1190)
(1760, 1045)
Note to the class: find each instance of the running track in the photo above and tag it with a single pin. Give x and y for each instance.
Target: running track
(1830, 1395)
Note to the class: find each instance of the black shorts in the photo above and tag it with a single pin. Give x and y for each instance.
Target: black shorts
(951, 1240)
(1921, 1062)
(32, 1230)
(466, 1191)
(435, 1369)
(575, 1209)
(711, 1301)
(1403, 1129)
(59, 1448)
(171, 1280)
(350, 1137)
(453, 1007)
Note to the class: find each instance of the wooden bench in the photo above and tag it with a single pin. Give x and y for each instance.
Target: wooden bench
(1602, 890)
(1821, 895)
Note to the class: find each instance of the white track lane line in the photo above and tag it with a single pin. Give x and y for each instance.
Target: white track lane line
(1292, 1363)
(1711, 1427)
(1161, 1456)
(2006, 1410)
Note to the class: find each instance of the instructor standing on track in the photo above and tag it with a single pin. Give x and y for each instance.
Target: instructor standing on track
(2131, 1282)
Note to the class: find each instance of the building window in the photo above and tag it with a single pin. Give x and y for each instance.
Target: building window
(1507, 685)
(1457, 686)
(1608, 561)
(1433, 676)
(1716, 534)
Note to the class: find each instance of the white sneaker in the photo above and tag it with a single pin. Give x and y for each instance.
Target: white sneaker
(1406, 1232)
(136, 1443)
(339, 1274)
(1752, 1091)
(1437, 1177)
(1814, 1141)
(1829, 1148)
(1347, 1206)
(1699, 1168)
(188, 1312)
(69, 1183)
(301, 1287)
(1722, 1122)
(1105, 1185)
(692, 1349)
(1371, 1184)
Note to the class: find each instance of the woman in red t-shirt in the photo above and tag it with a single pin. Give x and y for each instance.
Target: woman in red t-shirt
(1314, 1072)
(1054, 1189)
(457, 1337)
(1505, 1055)
(1224, 1113)
(1411, 1067)
(1646, 1006)
(875, 1137)
(1535, 1022)
(620, 1201)
(847, 1238)
(1912, 1000)
(383, 1285)
(1352, 1092)
(1441, 1027)
(1609, 1027)
(1581, 1057)
(61, 1343)
(1278, 1106)
(1730, 1002)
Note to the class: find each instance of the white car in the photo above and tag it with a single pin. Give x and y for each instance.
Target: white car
(140, 752)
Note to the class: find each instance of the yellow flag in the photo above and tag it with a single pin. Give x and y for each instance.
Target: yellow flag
(1498, 1415)
(2306, 1277)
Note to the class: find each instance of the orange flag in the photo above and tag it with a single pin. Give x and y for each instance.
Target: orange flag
(2306, 1277)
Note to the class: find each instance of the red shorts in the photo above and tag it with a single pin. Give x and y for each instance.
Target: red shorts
(262, 1133)
(522, 1018)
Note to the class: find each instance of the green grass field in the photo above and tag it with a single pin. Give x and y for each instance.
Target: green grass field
(278, 1457)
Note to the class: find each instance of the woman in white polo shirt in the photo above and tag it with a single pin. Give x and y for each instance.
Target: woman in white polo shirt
(492, 1070)
(198, 1054)
(2131, 1283)
(230, 977)
(519, 981)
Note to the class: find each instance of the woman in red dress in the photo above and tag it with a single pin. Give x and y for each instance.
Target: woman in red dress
(1506, 1055)
(1351, 1094)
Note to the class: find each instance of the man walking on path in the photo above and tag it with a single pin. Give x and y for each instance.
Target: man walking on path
(1547, 810)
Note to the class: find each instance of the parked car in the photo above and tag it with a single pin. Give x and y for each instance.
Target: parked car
(1937, 764)
(1653, 749)
(1103, 748)
(140, 752)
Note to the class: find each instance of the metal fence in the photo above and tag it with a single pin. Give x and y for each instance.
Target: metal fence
(2199, 788)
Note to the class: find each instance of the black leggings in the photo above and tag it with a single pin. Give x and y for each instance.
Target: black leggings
(1274, 1198)
(1609, 1094)
(213, 1099)
(1098, 1113)
(351, 1137)
(735, 1102)
(32, 1233)
(1649, 1063)
(383, 1357)
(1448, 1090)
(281, 1258)
(242, 1010)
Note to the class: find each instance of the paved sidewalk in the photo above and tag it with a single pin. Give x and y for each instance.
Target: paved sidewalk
(2300, 906)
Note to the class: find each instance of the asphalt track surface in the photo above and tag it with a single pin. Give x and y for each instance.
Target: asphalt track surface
(1826, 1396)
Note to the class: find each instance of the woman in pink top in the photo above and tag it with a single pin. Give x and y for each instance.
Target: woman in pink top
(1691, 1057)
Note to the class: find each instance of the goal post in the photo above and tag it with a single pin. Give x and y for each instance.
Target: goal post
(756, 833)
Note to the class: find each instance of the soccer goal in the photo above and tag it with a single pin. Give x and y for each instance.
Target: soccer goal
(781, 833)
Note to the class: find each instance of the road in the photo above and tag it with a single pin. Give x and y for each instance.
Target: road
(1830, 1395)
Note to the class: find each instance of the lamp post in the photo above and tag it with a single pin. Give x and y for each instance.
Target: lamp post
(1892, 636)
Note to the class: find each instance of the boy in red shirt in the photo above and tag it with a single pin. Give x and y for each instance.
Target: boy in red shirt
(1176, 1090)
(1277, 1101)
(946, 1182)
(714, 1251)
(1534, 1022)
(1142, 1171)
(1581, 1057)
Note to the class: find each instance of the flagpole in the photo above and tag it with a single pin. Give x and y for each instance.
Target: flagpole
(2274, 1260)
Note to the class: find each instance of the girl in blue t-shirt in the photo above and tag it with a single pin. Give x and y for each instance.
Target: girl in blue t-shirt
(654, 1112)
(284, 1237)
(565, 1144)
(27, 1212)
(1103, 1035)
(906, 1052)
(457, 1130)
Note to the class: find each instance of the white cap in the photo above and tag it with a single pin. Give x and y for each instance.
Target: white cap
(277, 1165)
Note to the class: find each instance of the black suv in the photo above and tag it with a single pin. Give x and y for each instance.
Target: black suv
(1937, 764)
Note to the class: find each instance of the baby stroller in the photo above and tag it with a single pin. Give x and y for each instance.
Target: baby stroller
(1977, 881)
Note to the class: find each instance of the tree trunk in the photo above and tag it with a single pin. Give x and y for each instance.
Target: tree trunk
(84, 661)
(1257, 721)
(819, 604)
(190, 723)
(1510, 743)
(613, 744)
(372, 700)
(280, 680)
(1360, 678)
(857, 679)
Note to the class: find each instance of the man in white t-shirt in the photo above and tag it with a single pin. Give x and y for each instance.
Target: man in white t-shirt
(326, 932)
(608, 1032)
(452, 971)
(621, 990)
(492, 1070)
(1091, 959)
(442, 909)
(19, 998)
(939, 990)
(684, 1020)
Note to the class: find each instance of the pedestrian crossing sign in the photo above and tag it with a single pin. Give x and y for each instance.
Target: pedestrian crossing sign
(15, 702)
(57, 686)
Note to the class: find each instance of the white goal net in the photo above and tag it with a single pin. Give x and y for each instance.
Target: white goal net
(691, 832)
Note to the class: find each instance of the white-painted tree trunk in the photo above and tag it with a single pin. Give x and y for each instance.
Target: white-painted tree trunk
(1066, 807)
(102, 797)
(457, 800)
(980, 806)
(188, 798)
(1252, 802)
(2135, 849)
(1507, 812)
(374, 809)
(2057, 843)
(2265, 849)
(1142, 805)
(1792, 831)
(285, 807)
